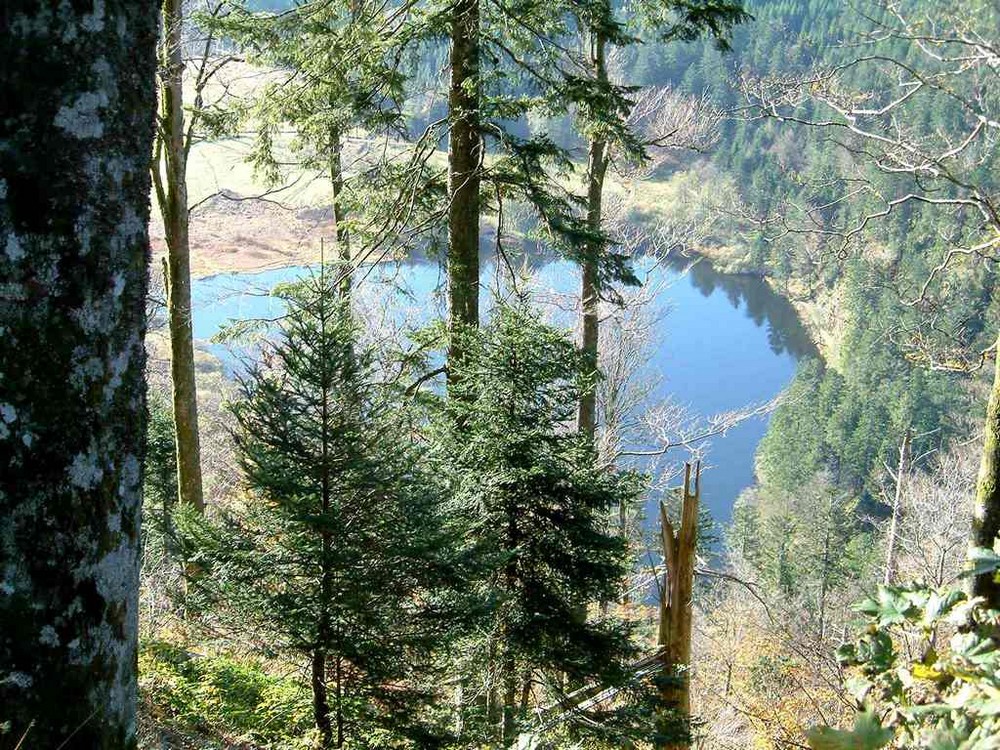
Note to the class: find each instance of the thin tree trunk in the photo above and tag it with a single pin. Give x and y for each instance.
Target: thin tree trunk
(76, 130)
(507, 728)
(986, 512)
(587, 414)
(525, 690)
(173, 201)
(824, 582)
(340, 214)
(490, 691)
(464, 157)
(897, 510)
(340, 700)
(321, 702)
(597, 167)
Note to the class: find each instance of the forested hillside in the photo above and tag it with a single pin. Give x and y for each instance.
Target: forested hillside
(338, 407)
(795, 225)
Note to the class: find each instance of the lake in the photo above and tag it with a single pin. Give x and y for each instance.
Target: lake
(716, 342)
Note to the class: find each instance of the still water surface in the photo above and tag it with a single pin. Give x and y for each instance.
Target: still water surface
(718, 342)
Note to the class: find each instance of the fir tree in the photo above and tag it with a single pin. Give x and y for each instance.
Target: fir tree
(336, 554)
(337, 69)
(602, 107)
(534, 506)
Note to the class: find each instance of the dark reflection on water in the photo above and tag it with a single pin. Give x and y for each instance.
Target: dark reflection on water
(764, 306)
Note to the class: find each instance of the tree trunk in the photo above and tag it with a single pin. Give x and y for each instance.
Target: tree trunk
(321, 702)
(464, 156)
(508, 733)
(173, 201)
(597, 167)
(892, 537)
(824, 583)
(986, 512)
(76, 133)
(340, 700)
(674, 636)
(339, 214)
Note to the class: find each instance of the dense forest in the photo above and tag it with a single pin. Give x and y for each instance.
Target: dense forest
(436, 491)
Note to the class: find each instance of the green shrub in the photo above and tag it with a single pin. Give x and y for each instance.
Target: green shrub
(925, 672)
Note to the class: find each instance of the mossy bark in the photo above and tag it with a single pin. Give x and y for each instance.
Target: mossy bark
(173, 200)
(75, 146)
(986, 512)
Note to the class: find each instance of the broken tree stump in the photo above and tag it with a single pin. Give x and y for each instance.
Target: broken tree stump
(674, 635)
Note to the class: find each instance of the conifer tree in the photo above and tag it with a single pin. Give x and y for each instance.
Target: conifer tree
(534, 505)
(337, 552)
(159, 487)
(334, 67)
(603, 105)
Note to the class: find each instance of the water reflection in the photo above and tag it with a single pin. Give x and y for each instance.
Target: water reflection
(762, 305)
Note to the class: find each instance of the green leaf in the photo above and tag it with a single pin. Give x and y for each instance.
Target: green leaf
(868, 734)
(847, 654)
(891, 606)
(939, 605)
(980, 561)
(858, 688)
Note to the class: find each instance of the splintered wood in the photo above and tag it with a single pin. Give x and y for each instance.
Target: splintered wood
(674, 637)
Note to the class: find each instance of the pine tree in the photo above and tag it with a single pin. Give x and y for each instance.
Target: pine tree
(743, 535)
(159, 487)
(823, 543)
(534, 505)
(337, 553)
(602, 107)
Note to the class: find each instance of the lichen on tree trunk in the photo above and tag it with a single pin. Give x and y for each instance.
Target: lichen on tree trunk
(75, 147)
(986, 512)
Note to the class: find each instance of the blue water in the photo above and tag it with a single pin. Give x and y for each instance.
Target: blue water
(717, 342)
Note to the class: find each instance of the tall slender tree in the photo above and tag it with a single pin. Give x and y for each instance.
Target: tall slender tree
(334, 67)
(531, 69)
(169, 172)
(465, 160)
(604, 113)
(76, 134)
